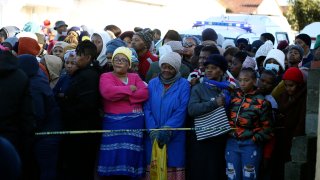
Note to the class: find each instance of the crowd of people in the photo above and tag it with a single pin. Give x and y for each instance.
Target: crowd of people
(67, 79)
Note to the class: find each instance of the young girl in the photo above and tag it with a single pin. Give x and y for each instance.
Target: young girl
(250, 117)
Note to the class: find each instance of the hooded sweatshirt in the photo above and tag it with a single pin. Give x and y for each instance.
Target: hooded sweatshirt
(16, 117)
(54, 66)
(102, 58)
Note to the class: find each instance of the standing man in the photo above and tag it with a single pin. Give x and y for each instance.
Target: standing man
(80, 111)
(304, 41)
(141, 42)
(61, 28)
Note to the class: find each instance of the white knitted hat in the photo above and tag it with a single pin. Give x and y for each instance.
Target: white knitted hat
(276, 54)
(172, 58)
(264, 49)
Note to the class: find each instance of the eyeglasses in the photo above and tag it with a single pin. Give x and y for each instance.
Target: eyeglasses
(188, 44)
(120, 60)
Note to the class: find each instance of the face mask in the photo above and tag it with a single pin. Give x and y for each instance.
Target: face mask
(272, 66)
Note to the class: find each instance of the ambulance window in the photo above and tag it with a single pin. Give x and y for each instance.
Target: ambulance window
(280, 36)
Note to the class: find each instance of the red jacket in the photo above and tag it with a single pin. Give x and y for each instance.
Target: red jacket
(144, 63)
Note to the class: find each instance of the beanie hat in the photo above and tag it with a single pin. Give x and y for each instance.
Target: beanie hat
(83, 35)
(249, 62)
(228, 42)
(147, 36)
(176, 46)
(114, 44)
(305, 38)
(61, 44)
(29, 64)
(125, 51)
(209, 34)
(277, 55)
(195, 39)
(282, 45)
(264, 49)
(298, 48)
(293, 74)
(317, 44)
(68, 53)
(75, 29)
(46, 22)
(28, 46)
(217, 60)
(171, 58)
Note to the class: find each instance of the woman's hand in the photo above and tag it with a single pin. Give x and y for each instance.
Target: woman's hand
(133, 88)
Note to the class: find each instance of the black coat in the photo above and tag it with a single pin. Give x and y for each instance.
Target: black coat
(81, 104)
(80, 111)
(16, 114)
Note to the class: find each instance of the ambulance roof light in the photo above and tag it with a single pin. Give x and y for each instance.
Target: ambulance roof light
(244, 26)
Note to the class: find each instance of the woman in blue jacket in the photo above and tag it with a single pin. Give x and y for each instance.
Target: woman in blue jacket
(166, 108)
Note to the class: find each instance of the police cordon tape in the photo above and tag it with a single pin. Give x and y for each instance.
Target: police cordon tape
(122, 130)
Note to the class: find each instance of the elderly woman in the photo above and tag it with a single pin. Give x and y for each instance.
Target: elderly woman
(167, 107)
(206, 157)
(122, 153)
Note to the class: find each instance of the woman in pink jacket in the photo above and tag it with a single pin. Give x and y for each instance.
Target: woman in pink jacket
(121, 153)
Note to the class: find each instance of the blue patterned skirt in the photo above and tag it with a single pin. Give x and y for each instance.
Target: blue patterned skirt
(122, 153)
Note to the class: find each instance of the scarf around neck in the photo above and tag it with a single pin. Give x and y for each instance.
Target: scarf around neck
(169, 81)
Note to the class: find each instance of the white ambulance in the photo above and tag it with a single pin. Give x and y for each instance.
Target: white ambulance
(233, 26)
